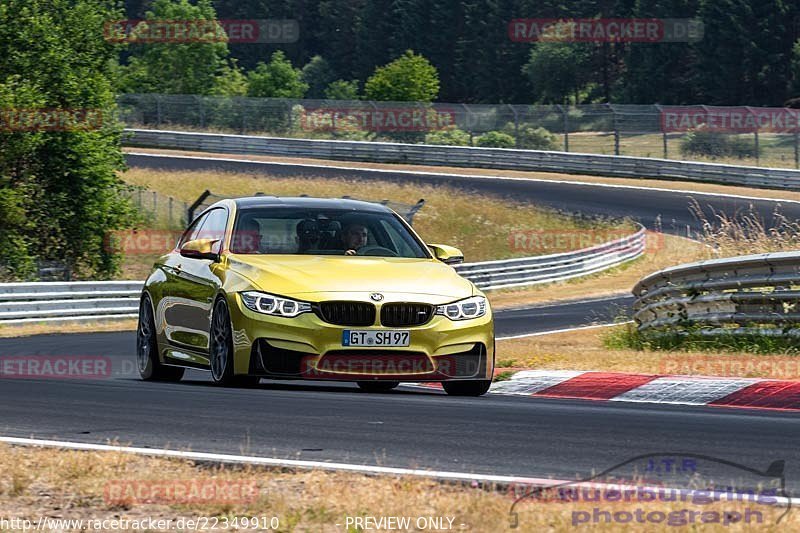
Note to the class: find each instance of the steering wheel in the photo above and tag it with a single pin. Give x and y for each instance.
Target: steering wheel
(376, 250)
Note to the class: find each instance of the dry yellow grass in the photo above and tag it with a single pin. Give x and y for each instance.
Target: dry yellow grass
(584, 350)
(24, 330)
(662, 251)
(71, 485)
(643, 182)
(478, 224)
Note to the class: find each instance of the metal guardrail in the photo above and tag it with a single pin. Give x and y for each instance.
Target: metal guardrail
(508, 273)
(71, 301)
(752, 294)
(461, 156)
(103, 300)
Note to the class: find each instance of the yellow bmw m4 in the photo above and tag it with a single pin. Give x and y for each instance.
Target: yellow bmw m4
(306, 288)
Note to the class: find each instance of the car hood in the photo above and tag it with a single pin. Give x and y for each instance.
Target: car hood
(300, 275)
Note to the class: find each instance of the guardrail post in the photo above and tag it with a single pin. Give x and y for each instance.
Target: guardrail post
(469, 123)
(289, 119)
(616, 129)
(158, 110)
(516, 127)
(758, 155)
(796, 148)
(565, 123)
(664, 138)
(375, 122)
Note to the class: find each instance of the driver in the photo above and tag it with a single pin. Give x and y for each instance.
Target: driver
(355, 237)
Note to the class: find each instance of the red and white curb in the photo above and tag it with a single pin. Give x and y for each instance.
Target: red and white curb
(752, 393)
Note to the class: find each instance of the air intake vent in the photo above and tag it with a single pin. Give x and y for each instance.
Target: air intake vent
(405, 314)
(347, 313)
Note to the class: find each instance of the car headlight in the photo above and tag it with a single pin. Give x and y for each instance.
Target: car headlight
(270, 304)
(474, 307)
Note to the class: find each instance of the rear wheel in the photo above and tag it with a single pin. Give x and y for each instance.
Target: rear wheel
(150, 368)
(377, 386)
(477, 387)
(221, 350)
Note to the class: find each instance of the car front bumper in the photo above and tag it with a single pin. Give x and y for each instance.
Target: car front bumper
(306, 347)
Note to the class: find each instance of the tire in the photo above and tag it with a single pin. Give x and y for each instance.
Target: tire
(150, 368)
(377, 386)
(475, 387)
(221, 350)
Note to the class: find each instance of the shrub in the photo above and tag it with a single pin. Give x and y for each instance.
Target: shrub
(450, 136)
(536, 138)
(342, 90)
(496, 139)
(701, 141)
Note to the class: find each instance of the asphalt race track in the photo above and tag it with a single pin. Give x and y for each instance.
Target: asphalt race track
(408, 427)
(540, 318)
(405, 428)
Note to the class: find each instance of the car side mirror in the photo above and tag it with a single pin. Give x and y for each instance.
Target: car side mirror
(447, 254)
(200, 249)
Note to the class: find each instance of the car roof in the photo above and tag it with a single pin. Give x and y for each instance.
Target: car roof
(307, 202)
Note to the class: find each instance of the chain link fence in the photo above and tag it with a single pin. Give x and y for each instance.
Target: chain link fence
(160, 210)
(739, 135)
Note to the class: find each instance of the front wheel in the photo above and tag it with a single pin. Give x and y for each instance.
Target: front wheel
(377, 386)
(221, 350)
(477, 387)
(150, 368)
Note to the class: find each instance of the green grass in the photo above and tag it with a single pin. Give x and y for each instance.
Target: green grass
(503, 376)
(692, 340)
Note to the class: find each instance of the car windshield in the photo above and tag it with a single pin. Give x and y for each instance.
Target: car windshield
(304, 231)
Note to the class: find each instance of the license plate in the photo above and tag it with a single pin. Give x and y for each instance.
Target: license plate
(354, 337)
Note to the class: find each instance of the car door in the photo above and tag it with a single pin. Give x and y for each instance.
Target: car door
(197, 286)
(175, 303)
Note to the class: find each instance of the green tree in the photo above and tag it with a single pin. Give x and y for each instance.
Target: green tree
(409, 78)
(276, 79)
(660, 72)
(795, 70)
(176, 67)
(230, 81)
(60, 193)
(743, 56)
(342, 90)
(558, 71)
(317, 74)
